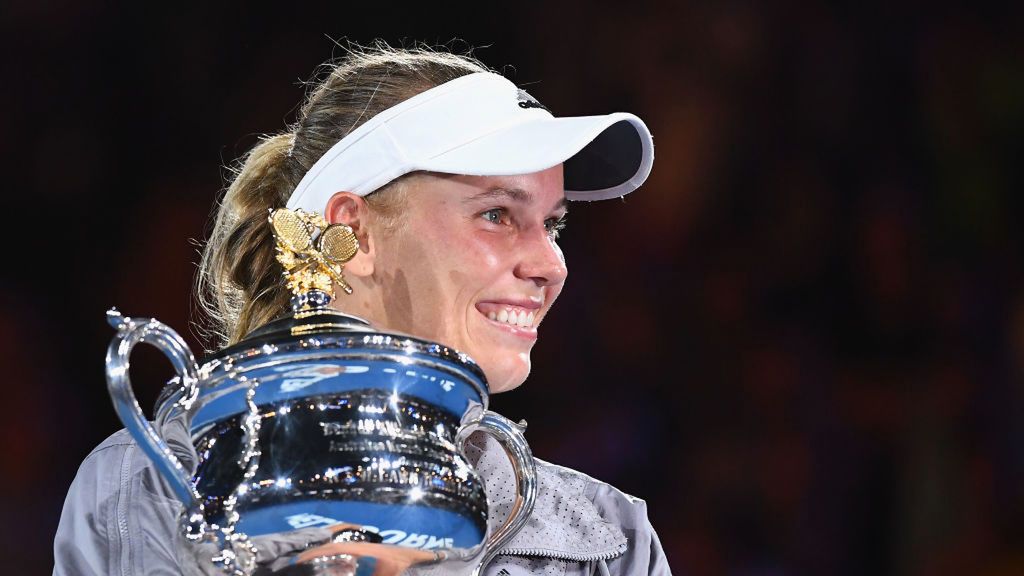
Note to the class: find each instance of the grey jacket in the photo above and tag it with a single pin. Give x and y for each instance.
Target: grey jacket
(119, 518)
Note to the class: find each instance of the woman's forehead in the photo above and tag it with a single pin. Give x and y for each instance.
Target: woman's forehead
(544, 189)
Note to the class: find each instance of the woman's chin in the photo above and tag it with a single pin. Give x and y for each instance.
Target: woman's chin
(505, 375)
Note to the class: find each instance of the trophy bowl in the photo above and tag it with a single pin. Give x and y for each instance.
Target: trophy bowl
(317, 419)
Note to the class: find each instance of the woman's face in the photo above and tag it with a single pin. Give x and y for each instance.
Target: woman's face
(472, 263)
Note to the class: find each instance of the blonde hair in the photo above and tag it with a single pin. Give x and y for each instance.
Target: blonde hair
(239, 286)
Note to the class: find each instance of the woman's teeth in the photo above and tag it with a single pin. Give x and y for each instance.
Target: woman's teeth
(520, 318)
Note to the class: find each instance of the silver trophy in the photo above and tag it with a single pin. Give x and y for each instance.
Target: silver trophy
(317, 419)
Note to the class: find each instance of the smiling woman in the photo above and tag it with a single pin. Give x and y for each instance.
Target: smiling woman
(474, 265)
(455, 184)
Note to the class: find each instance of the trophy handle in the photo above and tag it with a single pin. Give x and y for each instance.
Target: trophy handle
(510, 436)
(131, 331)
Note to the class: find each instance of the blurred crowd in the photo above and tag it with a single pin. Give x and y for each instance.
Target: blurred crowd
(802, 342)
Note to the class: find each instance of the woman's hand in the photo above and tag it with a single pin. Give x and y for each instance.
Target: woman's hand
(309, 552)
(360, 559)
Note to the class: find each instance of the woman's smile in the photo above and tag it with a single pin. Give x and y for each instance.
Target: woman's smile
(519, 317)
(473, 264)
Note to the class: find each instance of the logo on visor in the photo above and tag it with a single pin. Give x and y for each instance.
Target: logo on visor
(527, 101)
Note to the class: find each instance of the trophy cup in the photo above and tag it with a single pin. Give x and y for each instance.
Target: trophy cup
(317, 419)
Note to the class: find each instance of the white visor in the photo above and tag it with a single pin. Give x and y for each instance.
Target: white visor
(482, 125)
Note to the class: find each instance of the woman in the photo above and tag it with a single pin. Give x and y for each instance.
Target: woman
(456, 184)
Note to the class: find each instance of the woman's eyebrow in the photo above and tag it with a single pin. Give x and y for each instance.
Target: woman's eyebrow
(517, 195)
(514, 194)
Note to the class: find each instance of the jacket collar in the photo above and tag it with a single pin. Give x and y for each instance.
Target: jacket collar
(564, 523)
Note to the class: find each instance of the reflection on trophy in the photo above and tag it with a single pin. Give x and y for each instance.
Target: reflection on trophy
(317, 419)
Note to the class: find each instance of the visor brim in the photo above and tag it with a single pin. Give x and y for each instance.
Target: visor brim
(604, 156)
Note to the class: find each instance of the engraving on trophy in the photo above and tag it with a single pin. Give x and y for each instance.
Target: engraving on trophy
(364, 445)
(332, 428)
(384, 448)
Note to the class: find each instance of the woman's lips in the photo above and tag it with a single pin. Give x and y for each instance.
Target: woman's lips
(522, 314)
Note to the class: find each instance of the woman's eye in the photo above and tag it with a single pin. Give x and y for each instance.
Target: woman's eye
(493, 215)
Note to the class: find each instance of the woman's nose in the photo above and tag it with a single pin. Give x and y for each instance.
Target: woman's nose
(541, 261)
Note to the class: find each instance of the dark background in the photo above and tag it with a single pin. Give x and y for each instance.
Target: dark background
(802, 342)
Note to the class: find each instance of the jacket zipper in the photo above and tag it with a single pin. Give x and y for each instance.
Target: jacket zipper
(564, 555)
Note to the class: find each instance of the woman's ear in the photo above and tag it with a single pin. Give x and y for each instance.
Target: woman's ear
(348, 208)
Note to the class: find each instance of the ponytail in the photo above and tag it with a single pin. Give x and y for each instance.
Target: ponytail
(239, 283)
(240, 286)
